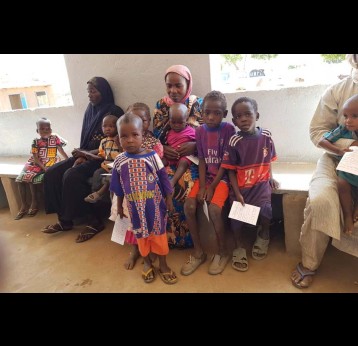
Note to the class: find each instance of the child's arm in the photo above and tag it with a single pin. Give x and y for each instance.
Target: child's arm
(38, 162)
(235, 186)
(202, 180)
(273, 182)
(181, 169)
(120, 210)
(211, 188)
(326, 144)
(62, 152)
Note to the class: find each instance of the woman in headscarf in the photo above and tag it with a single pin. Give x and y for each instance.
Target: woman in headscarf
(179, 84)
(66, 183)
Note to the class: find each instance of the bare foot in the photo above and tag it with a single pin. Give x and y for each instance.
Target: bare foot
(302, 277)
(132, 260)
(348, 225)
(355, 214)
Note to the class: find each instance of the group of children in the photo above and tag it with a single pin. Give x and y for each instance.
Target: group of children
(143, 191)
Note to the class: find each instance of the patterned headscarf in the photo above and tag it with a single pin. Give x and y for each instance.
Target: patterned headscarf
(183, 71)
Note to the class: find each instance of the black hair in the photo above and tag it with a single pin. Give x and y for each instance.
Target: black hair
(216, 96)
(245, 99)
(179, 106)
(140, 105)
(109, 115)
(130, 118)
(43, 120)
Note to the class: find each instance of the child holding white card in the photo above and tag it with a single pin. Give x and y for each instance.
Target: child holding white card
(248, 159)
(345, 180)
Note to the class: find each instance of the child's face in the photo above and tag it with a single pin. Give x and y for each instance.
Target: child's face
(109, 127)
(213, 113)
(176, 86)
(177, 120)
(131, 138)
(44, 130)
(144, 116)
(94, 95)
(350, 113)
(244, 117)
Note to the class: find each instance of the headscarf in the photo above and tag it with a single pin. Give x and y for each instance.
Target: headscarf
(94, 114)
(354, 64)
(183, 71)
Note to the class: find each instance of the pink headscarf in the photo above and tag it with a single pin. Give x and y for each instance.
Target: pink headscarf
(183, 71)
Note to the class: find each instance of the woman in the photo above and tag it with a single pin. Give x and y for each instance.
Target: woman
(66, 183)
(179, 85)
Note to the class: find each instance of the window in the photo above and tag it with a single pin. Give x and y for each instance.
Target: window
(18, 101)
(42, 99)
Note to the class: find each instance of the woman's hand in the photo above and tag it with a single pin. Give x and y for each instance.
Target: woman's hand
(187, 149)
(170, 153)
(76, 153)
(79, 161)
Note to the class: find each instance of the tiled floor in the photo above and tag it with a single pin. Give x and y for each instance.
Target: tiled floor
(32, 261)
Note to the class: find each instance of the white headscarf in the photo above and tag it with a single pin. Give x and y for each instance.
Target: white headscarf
(353, 60)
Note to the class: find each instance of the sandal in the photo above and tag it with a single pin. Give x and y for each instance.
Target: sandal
(94, 197)
(218, 264)
(260, 248)
(32, 212)
(301, 275)
(57, 227)
(168, 278)
(20, 214)
(89, 233)
(239, 256)
(149, 275)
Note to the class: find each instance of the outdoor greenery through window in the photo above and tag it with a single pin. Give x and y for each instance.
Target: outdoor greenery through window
(240, 72)
(29, 81)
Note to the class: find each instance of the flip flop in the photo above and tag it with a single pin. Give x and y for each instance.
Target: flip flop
(50, 229)
(20, 214)
(166, 277)
(239, 256)
(89, 233)
(302, 274)
(148, 278)
(32, 212)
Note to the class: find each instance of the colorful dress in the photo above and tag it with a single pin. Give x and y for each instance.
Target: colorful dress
(46, 149)
(250, 155)
(142, 180)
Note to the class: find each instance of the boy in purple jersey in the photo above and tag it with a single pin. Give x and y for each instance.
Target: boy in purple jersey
(212, 139)
(139, 175)
(249, 157)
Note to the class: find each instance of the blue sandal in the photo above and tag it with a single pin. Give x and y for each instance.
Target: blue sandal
(302, 274)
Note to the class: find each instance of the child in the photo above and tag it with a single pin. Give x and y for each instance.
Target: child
(345, 180)
(249, 157)
(180, 132)
(149, 142)
(108, 150)
(139, 176)
(212, 139)
(44, 154)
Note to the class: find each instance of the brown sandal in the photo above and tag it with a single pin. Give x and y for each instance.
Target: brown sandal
(55, 228)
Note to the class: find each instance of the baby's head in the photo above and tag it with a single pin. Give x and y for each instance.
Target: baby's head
(130, 131)
(245, 113)
(109, 127)
(143, 111)
(214, 108)
(350, 113)
(178, 115)
(43, 127)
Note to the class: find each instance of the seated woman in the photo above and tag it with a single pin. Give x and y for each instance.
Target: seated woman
(179, 84)
(66, 183)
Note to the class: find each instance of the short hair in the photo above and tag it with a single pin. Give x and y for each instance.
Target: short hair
(43, 121)
(353, 98)
(140, 105)
(215, 96)
(111, 116)
(245, 99)
(179, 106)
(130, 118)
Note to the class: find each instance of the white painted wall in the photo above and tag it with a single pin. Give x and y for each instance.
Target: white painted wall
(140, 77)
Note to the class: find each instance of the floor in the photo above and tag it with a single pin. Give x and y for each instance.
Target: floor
(32, 261)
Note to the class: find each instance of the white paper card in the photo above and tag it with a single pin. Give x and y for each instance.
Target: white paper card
(248, 213)
(206, 210)
(120, 229)
(193, 158)
(110, 164)
(349, 162)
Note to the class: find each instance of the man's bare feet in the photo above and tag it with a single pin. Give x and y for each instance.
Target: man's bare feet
(348, 225)
(302, 277)
(132, 259)
(355, 214)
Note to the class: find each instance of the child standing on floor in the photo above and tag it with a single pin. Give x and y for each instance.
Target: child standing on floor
(44, 152)
(139, 176)
(180, 132)
(149, 142)
(249, 157)
(108, 150)
(345, 180)
(212, 186)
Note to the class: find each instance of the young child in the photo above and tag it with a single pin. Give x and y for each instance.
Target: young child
(249, 157)
(212, 140)
(345, 180)
(139, 176)
(149, 142)
(44, 152)
(180, 132)
(108, 150)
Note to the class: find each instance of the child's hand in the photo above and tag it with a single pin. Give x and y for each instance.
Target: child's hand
(201, 195)
(240, 199)
(274, 183)
(169, 203)
(120, 212)
(209, 194)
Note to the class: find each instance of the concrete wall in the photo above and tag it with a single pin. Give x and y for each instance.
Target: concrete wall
(140, 77)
